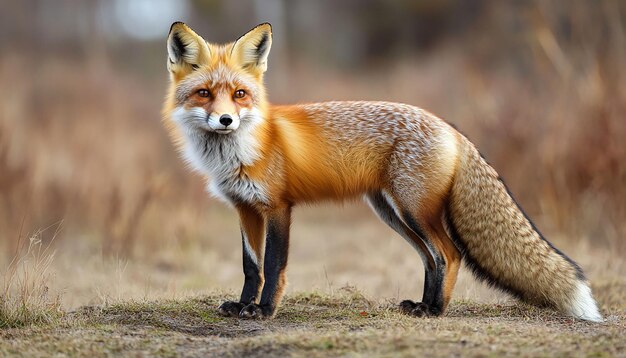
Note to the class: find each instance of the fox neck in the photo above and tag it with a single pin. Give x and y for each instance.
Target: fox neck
(226, 158)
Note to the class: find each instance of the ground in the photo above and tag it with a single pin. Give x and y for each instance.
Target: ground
(313, 324)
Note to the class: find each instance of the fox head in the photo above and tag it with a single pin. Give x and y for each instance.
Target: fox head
(217, 88)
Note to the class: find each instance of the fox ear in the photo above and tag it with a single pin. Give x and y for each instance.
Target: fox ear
(251, 50)
(186, 50)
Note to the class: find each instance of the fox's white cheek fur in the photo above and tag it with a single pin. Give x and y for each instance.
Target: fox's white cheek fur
(248, 144)
(189, 119)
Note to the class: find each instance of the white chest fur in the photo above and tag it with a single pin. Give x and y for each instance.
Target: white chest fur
(221, 158)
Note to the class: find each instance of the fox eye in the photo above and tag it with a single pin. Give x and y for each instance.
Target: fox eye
(204, 93)
(240, 94)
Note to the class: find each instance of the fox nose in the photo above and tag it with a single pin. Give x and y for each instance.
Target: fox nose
(226, 120)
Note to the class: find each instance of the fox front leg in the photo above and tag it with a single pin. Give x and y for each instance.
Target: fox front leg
(253, 243)
(274, 265)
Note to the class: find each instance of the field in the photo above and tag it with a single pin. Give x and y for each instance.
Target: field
(312, 325)
(108, 244)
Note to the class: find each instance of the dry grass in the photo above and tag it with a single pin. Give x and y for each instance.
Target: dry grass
(26, 297)
(314, 324)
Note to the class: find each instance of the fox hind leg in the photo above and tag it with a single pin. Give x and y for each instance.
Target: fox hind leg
(439, 255)
(387, 211)
(439, 286)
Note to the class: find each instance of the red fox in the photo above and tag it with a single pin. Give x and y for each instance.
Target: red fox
(421, 177)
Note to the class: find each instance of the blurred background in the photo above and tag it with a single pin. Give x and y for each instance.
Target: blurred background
(85, 165)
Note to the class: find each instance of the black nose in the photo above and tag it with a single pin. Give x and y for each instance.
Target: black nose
(226, 120)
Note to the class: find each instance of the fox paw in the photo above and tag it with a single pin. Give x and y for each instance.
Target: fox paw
(231, 308)
(417, 309)
(254, 311)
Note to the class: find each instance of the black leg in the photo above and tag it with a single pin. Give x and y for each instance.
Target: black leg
(275, 263)
(252, 241)
(252, 273)
(434, 265)
(434, 277)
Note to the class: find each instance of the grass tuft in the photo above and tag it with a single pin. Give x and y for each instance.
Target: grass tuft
(26, 298)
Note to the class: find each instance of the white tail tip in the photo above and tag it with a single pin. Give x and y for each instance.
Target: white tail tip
(583, 306)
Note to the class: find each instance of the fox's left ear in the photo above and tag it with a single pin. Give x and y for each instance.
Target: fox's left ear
(251, 50)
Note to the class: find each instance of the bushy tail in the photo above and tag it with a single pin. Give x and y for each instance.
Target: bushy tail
(501, 245)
